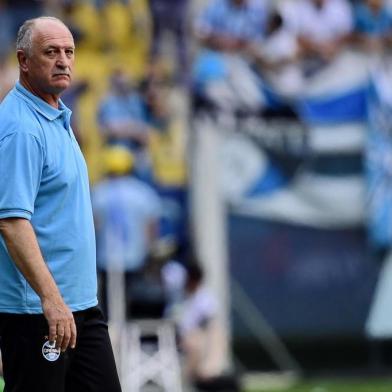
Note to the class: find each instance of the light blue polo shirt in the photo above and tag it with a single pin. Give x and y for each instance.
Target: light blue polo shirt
(43, 178)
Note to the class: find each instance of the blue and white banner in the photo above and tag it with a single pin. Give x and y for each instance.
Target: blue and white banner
(328, 138)
(299, 241)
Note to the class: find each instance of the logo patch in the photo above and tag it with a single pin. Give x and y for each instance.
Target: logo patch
(50, 352)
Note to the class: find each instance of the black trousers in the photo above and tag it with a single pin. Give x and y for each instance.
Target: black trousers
(30, 364)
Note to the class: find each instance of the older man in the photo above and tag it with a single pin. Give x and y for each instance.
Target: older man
(53, 337)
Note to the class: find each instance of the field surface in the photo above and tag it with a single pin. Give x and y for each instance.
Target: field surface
(323, 386)
(335, 386)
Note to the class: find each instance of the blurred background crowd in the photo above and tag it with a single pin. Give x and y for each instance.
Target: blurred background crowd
(247, 142)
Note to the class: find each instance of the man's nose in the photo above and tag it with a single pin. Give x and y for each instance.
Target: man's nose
(62, 60)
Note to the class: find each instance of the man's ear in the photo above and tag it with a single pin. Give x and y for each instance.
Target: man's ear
(22, 60)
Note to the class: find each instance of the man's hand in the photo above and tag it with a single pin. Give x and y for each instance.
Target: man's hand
(23, 247)
(62, 328)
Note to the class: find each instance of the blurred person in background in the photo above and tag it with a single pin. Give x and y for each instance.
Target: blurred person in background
(170, 16)
(121, 113)
(321, 28)
(173, 275)
(126, 212)
(225, 29)
(167, 147)
(149, 296)
(230, 25)
(201, 335)
(277, 57)
(372, 26)
(156, 95)
(122, 120)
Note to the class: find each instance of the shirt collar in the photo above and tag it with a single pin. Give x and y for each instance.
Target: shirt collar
(43, 107)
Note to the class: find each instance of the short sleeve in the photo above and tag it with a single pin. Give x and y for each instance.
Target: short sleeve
(21, 164)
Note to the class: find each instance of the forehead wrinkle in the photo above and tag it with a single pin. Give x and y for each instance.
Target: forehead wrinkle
(43, 33)
(53, 45)
(49, 37)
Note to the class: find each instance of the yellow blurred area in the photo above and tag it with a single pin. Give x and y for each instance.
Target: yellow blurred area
(168, 155)
(124, 27)
(110, 40)
(118, 37)
(117, 160)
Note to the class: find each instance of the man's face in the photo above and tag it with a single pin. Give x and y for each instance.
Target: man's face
(48, 68)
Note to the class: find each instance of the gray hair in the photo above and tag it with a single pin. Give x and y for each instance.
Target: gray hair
(24, 38)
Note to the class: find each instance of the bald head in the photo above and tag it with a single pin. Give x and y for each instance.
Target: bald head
(24, 39)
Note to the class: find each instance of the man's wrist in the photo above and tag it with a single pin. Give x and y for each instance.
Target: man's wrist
(51, 296)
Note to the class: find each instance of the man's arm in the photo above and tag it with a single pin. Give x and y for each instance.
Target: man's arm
(23, 248)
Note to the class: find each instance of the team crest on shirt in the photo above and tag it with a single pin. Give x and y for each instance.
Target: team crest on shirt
(50, 352)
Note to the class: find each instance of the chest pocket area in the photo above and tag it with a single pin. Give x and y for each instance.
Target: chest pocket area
(61, 169)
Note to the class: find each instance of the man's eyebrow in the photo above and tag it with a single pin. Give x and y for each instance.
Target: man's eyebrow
(59, 47)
